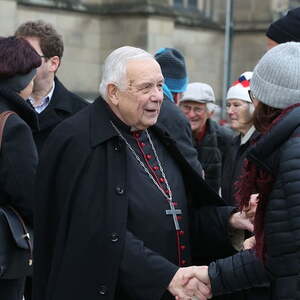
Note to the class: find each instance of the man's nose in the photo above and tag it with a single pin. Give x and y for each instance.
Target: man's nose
(191, 113)
(157, 94)
(229, 110)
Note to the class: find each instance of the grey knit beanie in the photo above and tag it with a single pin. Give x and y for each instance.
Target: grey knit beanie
(276, 77)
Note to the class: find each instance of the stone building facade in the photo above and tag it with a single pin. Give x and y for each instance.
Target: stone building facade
(93, 28)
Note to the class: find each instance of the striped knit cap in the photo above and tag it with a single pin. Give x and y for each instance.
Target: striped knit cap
(276, 77)
(239, 89)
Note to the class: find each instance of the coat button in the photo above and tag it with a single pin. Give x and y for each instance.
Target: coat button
(116, 147)
(114, 237)
(119, 190)
(102, 289)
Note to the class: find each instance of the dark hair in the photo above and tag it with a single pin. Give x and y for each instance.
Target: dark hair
(51, 42)
(263, 116)
(17, 57)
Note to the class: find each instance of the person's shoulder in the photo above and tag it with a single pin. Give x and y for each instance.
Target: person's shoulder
(16, 123)
(222, 130)
(224, 134)
(227, 132)
(75, 128)
(74, 100)
(77, 100)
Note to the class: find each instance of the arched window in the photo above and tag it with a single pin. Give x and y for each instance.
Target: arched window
(178, 3)
(192, 4)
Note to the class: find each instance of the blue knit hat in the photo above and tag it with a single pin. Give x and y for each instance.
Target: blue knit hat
(173, 69)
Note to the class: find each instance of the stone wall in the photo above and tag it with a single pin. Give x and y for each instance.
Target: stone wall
(90, 36)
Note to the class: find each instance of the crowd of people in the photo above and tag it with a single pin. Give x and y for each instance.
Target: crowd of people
(142, 195)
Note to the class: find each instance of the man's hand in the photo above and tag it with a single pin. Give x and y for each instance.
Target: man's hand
(199, 290)
(200, 285)
(239, 220)
(249, 243)
(184, 286)
(250, 210)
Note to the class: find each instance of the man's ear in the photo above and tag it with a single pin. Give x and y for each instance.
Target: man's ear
(211, 113)
(54, 63)
(113, 93)
(177, 97)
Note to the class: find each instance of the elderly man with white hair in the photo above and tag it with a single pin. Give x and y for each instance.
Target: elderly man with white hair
(112, 198)
(210, 139)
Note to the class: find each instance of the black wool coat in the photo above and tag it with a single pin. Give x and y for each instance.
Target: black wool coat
(63, 104)
(212, 152)
(81, 213)
(18, 158)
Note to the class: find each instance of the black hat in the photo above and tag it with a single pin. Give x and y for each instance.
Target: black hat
(173, 69)
(287, 28)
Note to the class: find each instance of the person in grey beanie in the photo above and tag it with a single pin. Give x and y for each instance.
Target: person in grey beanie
(272, 169)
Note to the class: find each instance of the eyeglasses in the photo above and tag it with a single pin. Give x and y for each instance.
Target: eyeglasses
(44, 56)
(196, 109)
(251, 96)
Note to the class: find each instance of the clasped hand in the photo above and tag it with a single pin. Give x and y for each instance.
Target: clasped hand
(191, 283)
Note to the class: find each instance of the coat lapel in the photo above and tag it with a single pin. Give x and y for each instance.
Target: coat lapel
(101, 128)
(58, 108)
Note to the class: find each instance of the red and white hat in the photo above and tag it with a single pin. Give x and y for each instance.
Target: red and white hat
(239, 89)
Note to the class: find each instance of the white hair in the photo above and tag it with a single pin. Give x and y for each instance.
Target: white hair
(114, 69)
(251, 108)
(211, 107)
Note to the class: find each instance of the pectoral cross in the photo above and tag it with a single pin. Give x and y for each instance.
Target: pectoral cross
(174, 212)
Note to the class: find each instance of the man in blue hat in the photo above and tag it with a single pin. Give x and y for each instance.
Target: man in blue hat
(173, 68)
(174, 71)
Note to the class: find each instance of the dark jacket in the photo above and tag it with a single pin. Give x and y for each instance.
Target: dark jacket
(277, 153)
(212, 151)
(174, 121)
(82, 208)
(63, 104)
(18, 159)
(233, 166)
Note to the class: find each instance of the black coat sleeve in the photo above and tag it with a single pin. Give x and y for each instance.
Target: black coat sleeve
(143, 273)
(210, 236)
(51, 197)
(238, 272)
(18, 163)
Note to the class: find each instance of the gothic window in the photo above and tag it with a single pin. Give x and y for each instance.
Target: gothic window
(178, 3)
(192, 3)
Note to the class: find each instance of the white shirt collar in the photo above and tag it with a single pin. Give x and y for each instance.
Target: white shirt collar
(44, 102)
(247, 136)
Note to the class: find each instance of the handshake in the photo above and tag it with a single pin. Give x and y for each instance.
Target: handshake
(191, 283)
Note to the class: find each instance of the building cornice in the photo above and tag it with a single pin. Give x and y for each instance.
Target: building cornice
(181, 16)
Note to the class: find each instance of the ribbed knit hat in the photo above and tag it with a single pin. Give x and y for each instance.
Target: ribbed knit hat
(276, 77)
(287, 28)
(198, 92)
(239, 89)
(173, 69)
